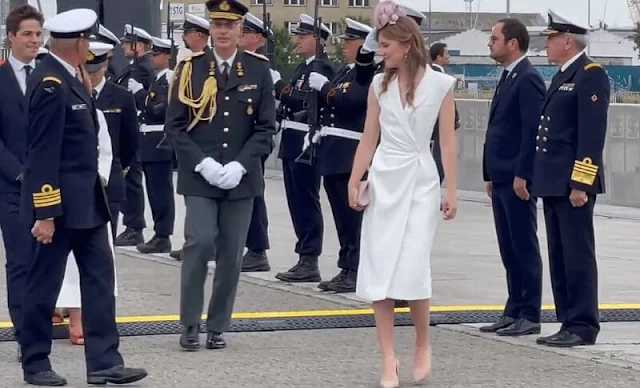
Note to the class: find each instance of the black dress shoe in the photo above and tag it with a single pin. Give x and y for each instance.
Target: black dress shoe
(116, 375)
(157, 244)
(129, 238)
(190, 338)
(346, 284)
(324, 285)
(566, 339)
(503, 322)
(47, 378)
(255, 261)
(543, 340)
(176, 254)
(215, 341)
(520, 327)
(306, 271)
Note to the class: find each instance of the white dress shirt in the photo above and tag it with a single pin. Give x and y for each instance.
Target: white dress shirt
(20, 72)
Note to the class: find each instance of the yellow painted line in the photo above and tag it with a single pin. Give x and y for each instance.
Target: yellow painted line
(346, 312)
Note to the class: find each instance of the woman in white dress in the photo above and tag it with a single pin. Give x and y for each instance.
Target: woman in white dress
(69, 297)
(403, 186)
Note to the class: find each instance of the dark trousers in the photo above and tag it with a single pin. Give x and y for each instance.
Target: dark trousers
(159, 183)
(114, 209)
(302, 186)
(437, 157)
(572, 264)
(133, 209)
(19, 245)
(258, 236)
(44, 279)
(347, 220)
(516, 228)
(212, 228)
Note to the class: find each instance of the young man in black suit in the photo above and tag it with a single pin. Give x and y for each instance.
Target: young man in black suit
(508, 170)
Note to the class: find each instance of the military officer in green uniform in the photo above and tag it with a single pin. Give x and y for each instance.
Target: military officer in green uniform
(220, 120)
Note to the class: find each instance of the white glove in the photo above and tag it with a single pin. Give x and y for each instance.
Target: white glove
(134, 86)
(317, 81)
(275, 75)
(306, 143)
(210, 170)
(370, 44)
(231, 175)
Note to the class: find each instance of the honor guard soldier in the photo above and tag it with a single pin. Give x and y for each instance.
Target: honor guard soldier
(104, 35)
(302, 181)
(345, 106)
(154, 154)
(254, 38)
(119, 109)
(220, 121)
(136, 44)
(63, 198)
(568, 175)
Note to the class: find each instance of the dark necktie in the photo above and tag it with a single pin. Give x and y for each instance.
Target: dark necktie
(225, 72)
(94, 94)
(505, 73)
(28, 69)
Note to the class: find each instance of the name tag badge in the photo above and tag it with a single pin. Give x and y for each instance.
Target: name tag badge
(244, 88)
(78, 106)
(568, 87)
(114, 110)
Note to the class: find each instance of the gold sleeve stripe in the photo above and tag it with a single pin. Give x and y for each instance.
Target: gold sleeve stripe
(49, 203)
(52, 79)
(584, 172)
(592, 66)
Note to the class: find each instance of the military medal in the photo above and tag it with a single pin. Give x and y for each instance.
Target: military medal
(240, 69)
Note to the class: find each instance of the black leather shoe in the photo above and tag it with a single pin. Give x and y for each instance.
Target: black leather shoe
(47, 378)
(503, 322)
(254, 261)
(543, 340)
(116, 375)
(157, 244)
(324, 285)
(176, 254)
(190, 338)
(346, 284)
(215, 341)
(306, 271)
(566, 339)
(520, 327)
(129, 238)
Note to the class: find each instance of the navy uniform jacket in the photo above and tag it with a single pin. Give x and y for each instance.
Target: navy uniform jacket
(153, 113)
(366, 67)
(61, 178)
(119, 110)
(293, 97)
(513, 124)
(572, 131)
(241, 129)
(141, 71)
(13, 123)
(345, 107)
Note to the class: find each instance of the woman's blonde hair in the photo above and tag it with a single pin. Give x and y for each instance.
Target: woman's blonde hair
(406, 31)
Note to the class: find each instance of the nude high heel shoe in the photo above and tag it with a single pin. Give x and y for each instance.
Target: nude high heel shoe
(394, 383)
(422, 380)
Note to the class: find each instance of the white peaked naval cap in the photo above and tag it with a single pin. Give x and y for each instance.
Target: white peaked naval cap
(73, 24)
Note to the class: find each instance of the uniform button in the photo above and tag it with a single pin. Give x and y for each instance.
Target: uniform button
(538, 137)
(226, 98)
(548, 118)
(288, 109)
(537, 148)
(546, 129)
(540, 126)
(321, 109)
(321, 116)
(542, 117)
(332, 115)
(225, 145)
(226, 114)
(544, 138)
(249, 100)
(544, 150)
(226, 130)
(332, 124)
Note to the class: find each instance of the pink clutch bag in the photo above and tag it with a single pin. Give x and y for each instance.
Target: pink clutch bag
(364, 196)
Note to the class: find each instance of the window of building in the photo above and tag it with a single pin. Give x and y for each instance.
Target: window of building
(333, 26)
(297, 2)
(359, 3)
(329, 3)
(261, 2)
(290, 26)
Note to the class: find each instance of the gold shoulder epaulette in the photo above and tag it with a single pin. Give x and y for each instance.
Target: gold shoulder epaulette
(192, 55)
(255, 54)
(594, 65)
(52, 79)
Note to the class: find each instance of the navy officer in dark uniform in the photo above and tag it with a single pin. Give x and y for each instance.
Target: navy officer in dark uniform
(302, 181)
(220, 121)
(64, 199)
(119, 109)
(344, 111)
(155, 155)
(568, 176)
(136, 44)
(104, 35)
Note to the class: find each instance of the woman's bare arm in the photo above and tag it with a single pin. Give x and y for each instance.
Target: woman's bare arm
(369, 139)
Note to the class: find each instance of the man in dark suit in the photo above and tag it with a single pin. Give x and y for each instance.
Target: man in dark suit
(344, 110)
(62, 194)
(136, 44)
(119, 109)
(220, 145)
(508, 170)
(302, 181)
(24, 27)
(439, 54)
(568, 176)
(155, 155)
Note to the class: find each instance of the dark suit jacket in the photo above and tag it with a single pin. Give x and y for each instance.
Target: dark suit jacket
(514, 115)
(435, 137)
(119, 110)
(13, 123)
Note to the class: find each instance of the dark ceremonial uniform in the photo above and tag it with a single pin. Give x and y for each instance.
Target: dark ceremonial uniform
(141, 71)
(302, 181)
(568, 157)
(157, 164)
(234, 126)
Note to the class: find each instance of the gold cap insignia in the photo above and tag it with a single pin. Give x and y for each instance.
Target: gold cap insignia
(225, 6)
(90, 56)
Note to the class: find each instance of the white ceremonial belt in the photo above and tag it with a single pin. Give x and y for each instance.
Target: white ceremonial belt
(144, 128)
(341, 132)
(298, 126)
